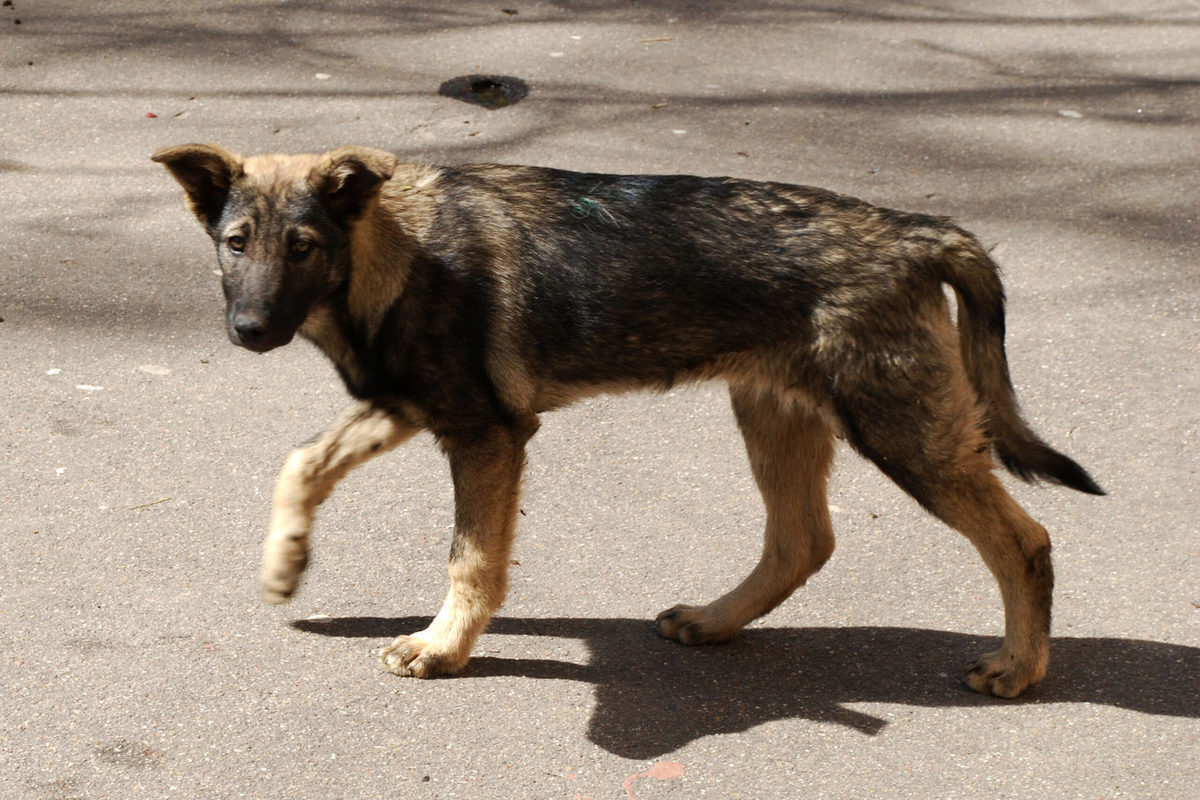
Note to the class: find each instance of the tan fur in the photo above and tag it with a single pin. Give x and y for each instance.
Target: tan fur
(309, 476)
(383, 241)
(791, 451)
(487, 478)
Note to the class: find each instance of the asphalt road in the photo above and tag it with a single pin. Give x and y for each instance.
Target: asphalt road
(138, 447)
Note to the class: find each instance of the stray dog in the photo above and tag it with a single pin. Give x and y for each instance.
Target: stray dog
(467, 300)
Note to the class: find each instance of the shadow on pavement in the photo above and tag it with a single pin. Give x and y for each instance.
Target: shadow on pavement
(654, 696)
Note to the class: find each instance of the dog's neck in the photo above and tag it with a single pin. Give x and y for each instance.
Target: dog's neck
(383, 245)
(384, 242)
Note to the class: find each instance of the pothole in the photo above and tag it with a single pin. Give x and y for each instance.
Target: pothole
(489, 91)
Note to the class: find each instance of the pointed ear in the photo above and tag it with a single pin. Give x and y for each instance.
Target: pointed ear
(206, 172)
(348, 179)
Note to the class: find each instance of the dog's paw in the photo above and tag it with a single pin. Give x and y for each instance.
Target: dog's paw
(1002, 675)
(278, 588)
(417, 657)
(284, 561)
(279, 582)
(691, 625)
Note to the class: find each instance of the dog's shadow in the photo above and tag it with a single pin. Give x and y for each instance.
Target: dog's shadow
(654, 696)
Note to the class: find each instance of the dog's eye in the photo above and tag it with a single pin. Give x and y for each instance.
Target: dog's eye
(237, 244)
(301, 248)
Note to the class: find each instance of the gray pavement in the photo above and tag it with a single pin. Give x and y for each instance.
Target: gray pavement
(139, 448)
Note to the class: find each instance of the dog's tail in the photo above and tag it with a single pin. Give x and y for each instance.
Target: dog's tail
(967, 268)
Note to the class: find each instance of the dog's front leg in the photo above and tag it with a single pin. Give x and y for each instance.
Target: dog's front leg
(487, 479)
(362, 432)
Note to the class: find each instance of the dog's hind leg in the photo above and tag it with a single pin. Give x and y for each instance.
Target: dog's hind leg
(1017, 551)
(487, 479)
(791, 450)
(923, 427)
(967, 496)
(362, 432)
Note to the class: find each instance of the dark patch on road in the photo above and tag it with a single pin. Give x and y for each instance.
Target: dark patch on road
(490, 91)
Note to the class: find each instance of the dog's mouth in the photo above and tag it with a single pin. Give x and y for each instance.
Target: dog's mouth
(259, 346)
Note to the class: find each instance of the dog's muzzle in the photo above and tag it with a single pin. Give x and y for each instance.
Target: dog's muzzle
(255, 332)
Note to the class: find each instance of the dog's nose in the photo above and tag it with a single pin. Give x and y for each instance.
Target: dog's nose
(250, 329)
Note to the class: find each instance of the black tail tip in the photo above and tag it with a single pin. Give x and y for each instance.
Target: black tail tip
(1050, 465)
(1076, 477)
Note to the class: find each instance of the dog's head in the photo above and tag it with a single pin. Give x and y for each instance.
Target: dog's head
(281, 225)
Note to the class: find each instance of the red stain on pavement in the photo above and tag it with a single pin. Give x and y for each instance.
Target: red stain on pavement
(662, 770)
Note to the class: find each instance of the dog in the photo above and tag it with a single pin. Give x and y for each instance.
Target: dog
(467, 300)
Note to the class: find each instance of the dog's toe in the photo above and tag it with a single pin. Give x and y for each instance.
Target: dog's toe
(1001, 675)
(277, 586)
(415, 657)
(689, 625)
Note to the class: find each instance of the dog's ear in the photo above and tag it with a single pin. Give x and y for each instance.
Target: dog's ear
(206, 172)
(349, 178)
